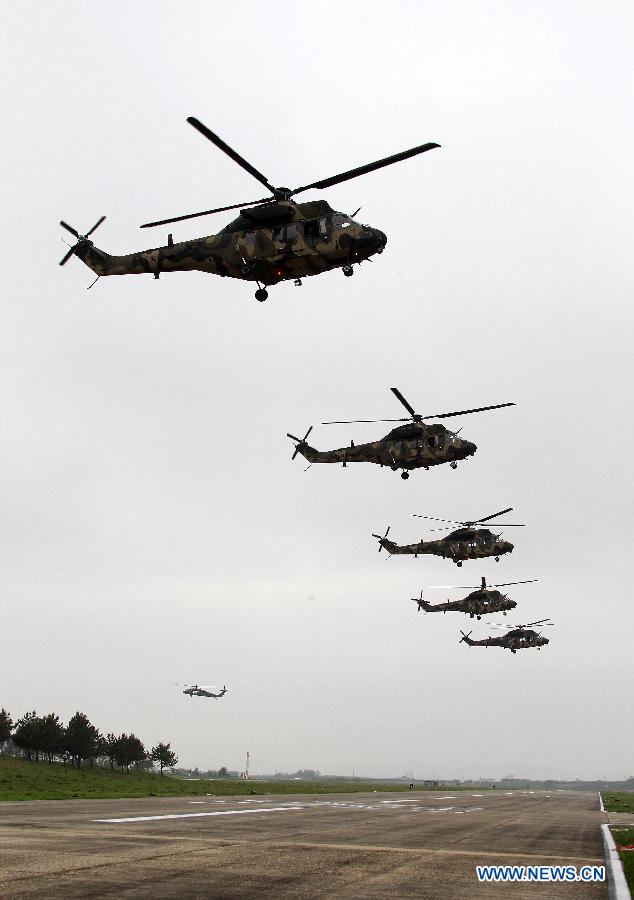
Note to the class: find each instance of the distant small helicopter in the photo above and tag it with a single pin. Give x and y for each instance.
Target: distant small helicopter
(520, 637)
(275, 239)
(202, 690)
(413, 446)
(482, 601)
(463, 543)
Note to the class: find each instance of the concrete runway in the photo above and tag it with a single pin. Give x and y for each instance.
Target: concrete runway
(423, 845)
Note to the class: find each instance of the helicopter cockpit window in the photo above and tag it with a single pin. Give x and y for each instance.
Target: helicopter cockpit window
(311, 228)
(435, 441)
(340, 221)
(323, 227)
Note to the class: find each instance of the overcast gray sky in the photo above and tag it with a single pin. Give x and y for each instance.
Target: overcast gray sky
(154, 529)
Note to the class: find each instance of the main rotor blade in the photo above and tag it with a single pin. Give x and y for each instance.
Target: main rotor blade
(452, 587)
(486, 518)
(434, 519)
(402, 399)
(207, 212)
(464, 412)
(357, 421)
(95, 226)
(206, 132)
(70, 253)
(69, 228)
(509, 583)
(363, 170)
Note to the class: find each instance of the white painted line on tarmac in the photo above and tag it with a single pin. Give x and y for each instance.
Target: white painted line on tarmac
(445, 798)
(200, 815)
(601, 806)
(617, 884)
(441, 808)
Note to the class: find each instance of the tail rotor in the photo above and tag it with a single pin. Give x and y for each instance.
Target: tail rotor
(381, 539)
(419, 601)
(81, 238)
(300, 441)
(465, 637)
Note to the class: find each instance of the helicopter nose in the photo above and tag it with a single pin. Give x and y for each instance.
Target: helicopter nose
(380, 240)
(469, 448)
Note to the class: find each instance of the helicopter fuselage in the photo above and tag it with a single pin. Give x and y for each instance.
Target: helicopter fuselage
(267, 244)
(478, 603)
(201, 692)
(517, 639)
(413, 446)
(460, 545)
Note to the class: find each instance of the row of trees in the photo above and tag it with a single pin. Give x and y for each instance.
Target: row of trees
(46, 737)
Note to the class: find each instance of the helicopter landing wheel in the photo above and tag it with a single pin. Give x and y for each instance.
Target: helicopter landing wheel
(459, 563)
(405, 475)
(453, 464)
(478, 618)
(513, 651)
(261, 294)
(348, 271)
(497, 558)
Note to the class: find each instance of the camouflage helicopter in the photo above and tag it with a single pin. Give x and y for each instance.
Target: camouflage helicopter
(412, 446)
(483, 600)
(464, 543)
(274, 239)
(204, 690)
(520, 637)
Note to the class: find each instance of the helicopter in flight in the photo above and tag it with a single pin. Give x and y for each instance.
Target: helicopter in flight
(519, 637)
(273, 239)
(413, 446)
(481, 601)
(203, 690)
(468, 542)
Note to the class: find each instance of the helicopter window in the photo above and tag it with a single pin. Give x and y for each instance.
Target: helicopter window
(340, 221)
(285, 233)
(311, 228)
(323, 226)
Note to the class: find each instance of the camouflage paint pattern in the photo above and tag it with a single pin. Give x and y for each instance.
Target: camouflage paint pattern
(313, 238)
(478, 603)
(517, 639)
(412, 446)
(460, 545)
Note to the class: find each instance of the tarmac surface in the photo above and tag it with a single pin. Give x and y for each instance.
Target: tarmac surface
(376, 845)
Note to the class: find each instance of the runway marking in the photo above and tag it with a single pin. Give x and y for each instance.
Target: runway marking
(444, 798)
(200, 815)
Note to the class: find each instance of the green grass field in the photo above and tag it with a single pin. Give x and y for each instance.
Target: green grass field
(23, 780)
(618, 801)
(624, 837)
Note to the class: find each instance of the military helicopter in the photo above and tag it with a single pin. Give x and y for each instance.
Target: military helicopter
(274, 239)
(520, 637)
(202, 690)
(468, 542)
(413, 446)
(483, 600)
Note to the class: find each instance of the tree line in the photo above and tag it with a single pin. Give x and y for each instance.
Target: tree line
(45, 737)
